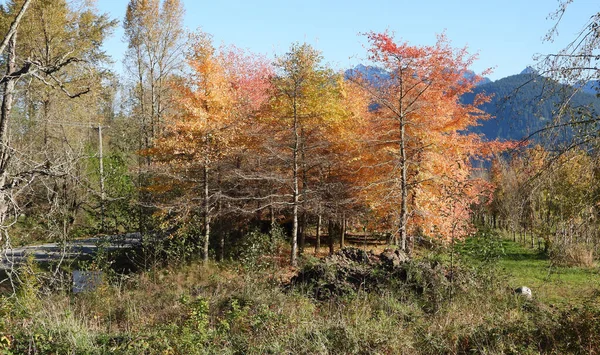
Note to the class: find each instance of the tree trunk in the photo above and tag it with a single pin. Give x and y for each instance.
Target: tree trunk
(302, 232)
(343, 233)
(221, 221)
(12, 31)
(7, 102)
(403, 186)
(303, 191)
(296, 191)
(318, 235)
(206, 216)
(331, 233)
(143, 144)
(222, 246)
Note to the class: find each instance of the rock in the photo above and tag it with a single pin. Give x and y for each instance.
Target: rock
(348, 255)
(525, 292)
(353, 270)
(85, 281)
(392, 259)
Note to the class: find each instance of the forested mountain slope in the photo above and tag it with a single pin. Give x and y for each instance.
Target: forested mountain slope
(521, 105)
(524, 104)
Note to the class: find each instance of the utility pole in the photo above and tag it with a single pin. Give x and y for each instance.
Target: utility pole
(100, 156)
(91, 125)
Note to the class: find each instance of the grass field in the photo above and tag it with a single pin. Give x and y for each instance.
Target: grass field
(550, 284)
(525, 266)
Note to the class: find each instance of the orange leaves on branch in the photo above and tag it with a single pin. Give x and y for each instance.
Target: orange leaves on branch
(305, 138)
(249, 75)
(417, 151)
(224, 86)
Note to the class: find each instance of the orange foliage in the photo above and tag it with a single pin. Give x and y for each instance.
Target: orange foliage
(418, 129)
(212, 106)
(397, 147)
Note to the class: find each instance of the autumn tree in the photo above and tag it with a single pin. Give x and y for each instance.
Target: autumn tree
(224, 88)
(556, 205)
(417, 148)
(306, 99)
(153, 31)
(549, 196)
(155, 47)
(338, 178)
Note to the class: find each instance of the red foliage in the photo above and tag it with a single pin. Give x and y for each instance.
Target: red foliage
(419, 107)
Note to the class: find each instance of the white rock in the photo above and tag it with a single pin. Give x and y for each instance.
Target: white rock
(525, 292)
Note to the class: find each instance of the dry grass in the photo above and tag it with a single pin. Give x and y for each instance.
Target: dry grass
(573, 255)
(156, 312)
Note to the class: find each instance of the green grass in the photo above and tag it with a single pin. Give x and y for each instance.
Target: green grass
(521, 265)
(550, 284)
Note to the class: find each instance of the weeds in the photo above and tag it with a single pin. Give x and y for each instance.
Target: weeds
(234, 309)
(569, 255)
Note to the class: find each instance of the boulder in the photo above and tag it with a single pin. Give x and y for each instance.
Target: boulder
(353, 255)
(392, 259)
(353, 270)
(525, 292)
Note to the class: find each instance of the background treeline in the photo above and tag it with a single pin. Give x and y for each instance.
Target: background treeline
(199, 144)
(549, 201)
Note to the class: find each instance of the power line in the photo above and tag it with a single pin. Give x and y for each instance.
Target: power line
(73, 124)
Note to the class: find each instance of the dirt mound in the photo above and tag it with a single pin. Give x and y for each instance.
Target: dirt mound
(350, 270)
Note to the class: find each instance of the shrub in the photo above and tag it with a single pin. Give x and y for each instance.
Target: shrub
(485, 246)
(258, 251)
(565, 254)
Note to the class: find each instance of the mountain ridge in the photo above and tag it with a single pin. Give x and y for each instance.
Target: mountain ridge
(521, 105)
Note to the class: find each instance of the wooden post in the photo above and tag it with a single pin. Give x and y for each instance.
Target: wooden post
(331, 234)
(318, 235)
(343, 233)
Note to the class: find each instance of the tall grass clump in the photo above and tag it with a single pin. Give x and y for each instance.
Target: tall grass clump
(572, 255)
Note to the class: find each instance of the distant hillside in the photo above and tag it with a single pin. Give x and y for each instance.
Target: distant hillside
(483, 81)
(529, 70)
(592, 87)
(521, 104)
(372, 73)
(525, 103)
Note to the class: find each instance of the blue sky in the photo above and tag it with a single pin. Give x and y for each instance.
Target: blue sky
(505, 33)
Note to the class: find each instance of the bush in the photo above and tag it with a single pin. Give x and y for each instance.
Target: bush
(565, 254)
(485, 246)
(258, 251)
